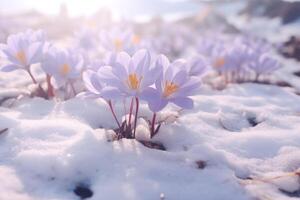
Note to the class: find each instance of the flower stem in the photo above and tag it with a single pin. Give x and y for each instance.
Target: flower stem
(130, 113)
(73, 88)
(113, 113)
(50, 91)
(136, 115)
(31, 76)
(153, 125)
(257, 77)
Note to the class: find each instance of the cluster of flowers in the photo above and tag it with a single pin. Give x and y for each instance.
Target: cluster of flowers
(240, 59)
(138, 77)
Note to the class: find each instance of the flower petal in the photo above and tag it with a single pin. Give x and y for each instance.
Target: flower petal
(141, 59)
(123, 58)
(9, 68)
(154, 100)
(111, 93)
(91, 83)
(183, 102)
(35, 53)
(162, 61)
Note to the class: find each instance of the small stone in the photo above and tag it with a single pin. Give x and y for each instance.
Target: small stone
(83, 191)
(201, 164)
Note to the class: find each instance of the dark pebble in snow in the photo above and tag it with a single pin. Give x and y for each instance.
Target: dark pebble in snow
(283, 84)
(3, 130)
(153, 145)
(252, 121)
(297, 73)
(201, 164)
(83, 192)
(291, 194)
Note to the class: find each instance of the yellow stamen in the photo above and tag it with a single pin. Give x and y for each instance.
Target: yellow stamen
(219, 62)
(133, 81)
(118, 44)
(21, 57)
(65, 69)
(136, 39)
(170, 88)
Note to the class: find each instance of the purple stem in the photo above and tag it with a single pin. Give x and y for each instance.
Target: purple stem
(257, 77)
(31, 76)
(73, 88)
(136, 115)
(50, 91)
(113, 113)
(130, 113)
(153, 125)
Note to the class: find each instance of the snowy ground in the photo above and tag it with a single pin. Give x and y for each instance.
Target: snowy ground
(246, 139)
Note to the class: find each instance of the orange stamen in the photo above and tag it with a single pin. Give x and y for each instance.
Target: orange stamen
(170, 88)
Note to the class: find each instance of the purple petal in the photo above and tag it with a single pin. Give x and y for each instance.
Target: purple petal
(162, 61)
(111, 93)
(9, 68)
(35, 53)
(154, 100)
(84, 95)
(8, 54)
(189, 88)
(183, 102)
(90, 80)
(157, 104)
(180, 77)
(120, 71)
(169, 73)
(123, 58)
(141, 60)
(151, 76)
(105, 74)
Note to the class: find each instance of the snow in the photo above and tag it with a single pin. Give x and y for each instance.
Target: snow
(52, 146)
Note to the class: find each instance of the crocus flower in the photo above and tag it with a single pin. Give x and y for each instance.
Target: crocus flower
(264, 64)
(173, 85)
(22, 50)
(96, 88)
(235, 58)
(130, 75)
(215, 52)
(63, 65)
(117, 40)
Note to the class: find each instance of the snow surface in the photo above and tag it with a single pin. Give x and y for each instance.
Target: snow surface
(51, 146)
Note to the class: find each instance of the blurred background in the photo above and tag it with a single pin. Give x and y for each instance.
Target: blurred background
(277, 21)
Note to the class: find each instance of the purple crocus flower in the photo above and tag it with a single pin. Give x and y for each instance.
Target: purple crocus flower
(117, 40)
(96, 88)
(173, 85)
(22, 50)
(63, 65)
(264, 64)
(236, 58)
(130, 76)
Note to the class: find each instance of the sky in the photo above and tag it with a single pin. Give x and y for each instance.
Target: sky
(88, 7)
